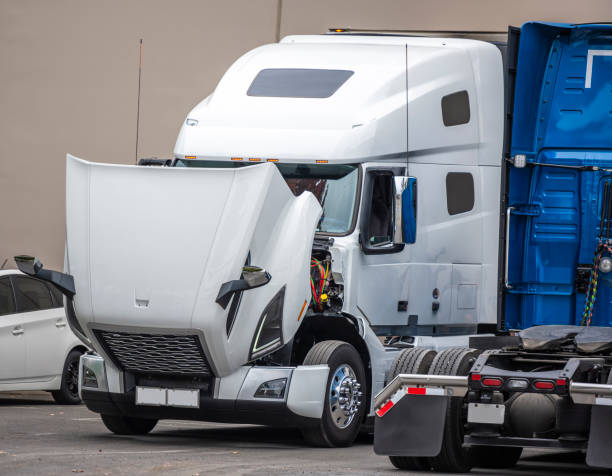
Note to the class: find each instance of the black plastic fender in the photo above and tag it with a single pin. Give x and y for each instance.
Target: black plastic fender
(600, 436)
(414, 426)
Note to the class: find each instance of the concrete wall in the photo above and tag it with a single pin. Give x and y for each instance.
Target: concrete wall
(69, 76)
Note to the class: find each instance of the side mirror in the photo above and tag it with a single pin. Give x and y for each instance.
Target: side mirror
(255, 276)
(404, 209)
(32, 266)
(252, 277)
(29, 265)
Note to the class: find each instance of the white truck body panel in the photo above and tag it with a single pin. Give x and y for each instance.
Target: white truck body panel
(365, 119)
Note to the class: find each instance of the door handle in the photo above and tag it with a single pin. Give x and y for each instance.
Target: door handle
(17, 331)
(60, 323)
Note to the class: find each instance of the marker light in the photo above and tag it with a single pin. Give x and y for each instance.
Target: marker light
(321, 161)
(492, 382)
(561, 382)
(190, 156)
(544, 385)
(476, 377)
(236, 158)
(271, 160)
(253, 159)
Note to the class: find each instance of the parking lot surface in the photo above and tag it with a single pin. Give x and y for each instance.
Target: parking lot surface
(38, 437)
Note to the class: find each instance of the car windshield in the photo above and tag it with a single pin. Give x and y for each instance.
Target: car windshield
(335, 186)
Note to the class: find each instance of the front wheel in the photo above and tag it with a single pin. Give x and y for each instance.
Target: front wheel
(68, 394)
(123, 425)
(344, 406)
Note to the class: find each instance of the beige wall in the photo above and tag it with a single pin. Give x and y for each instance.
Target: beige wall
(69, 70)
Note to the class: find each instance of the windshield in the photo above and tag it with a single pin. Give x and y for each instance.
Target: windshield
(335, 187)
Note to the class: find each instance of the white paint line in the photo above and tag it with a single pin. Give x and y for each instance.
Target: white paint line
(589, 65)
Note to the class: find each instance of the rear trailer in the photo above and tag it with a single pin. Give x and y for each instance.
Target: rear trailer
(545, 379)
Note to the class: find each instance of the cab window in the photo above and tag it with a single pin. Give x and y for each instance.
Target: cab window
(376, 228)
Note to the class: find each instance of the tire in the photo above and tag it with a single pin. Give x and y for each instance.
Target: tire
(68, 394)
(123, 425)
(411, 361)
(453, 457)
(336, 428)
(495, 457)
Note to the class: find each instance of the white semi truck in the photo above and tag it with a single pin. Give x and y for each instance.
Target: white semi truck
(333, 201)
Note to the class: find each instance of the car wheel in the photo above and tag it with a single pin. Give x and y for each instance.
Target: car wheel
(123, 425)
(68, 394)
(344, 407)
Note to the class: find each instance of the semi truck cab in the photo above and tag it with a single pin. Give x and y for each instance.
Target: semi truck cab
(333, 201)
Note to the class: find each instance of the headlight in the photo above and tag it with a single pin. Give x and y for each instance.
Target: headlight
(272, 389)
(89, 378)
(269, 332)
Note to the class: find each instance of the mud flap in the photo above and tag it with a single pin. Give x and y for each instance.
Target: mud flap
(413, 427)
(600, 436)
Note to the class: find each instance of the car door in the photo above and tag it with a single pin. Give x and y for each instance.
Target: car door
(12, 338)
(44, 325)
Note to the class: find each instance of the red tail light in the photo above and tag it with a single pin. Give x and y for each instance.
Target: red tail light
(561, 382)
(492, 382)
(544, 385)
(476, 377)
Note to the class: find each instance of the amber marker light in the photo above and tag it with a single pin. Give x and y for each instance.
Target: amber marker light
(271, 160)
(236, 158)
(302, 310)
(254, 159)
(190, 156)
(321, 161)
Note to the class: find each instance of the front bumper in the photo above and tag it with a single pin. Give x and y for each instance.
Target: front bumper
(229, 399)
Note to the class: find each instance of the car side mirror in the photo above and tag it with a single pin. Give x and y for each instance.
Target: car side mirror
(252, 277)
(404, 210)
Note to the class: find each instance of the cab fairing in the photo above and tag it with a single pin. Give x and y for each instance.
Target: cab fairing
(366, 117)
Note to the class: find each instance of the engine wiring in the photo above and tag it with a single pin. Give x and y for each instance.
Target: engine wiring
(318, 281)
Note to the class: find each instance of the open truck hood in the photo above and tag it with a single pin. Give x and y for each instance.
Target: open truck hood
(150, 247)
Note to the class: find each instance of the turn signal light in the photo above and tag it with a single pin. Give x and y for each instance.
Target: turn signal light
(544, 385)
(492, 382)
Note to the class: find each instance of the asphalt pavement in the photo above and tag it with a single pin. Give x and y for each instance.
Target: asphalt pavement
(38, 437)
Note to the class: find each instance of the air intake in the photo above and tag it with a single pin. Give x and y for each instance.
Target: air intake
(160, 354)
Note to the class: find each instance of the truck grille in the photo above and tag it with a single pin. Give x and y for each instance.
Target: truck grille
(164, 354)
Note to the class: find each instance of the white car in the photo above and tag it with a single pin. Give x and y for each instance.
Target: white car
(38, 351)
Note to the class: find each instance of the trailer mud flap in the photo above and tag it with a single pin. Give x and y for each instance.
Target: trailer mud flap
(413, 427)
(600, 436)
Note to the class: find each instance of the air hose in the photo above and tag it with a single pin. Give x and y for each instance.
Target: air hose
(602, 248)
(591, 295)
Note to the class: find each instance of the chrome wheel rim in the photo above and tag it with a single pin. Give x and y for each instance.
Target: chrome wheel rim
(344, 396)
